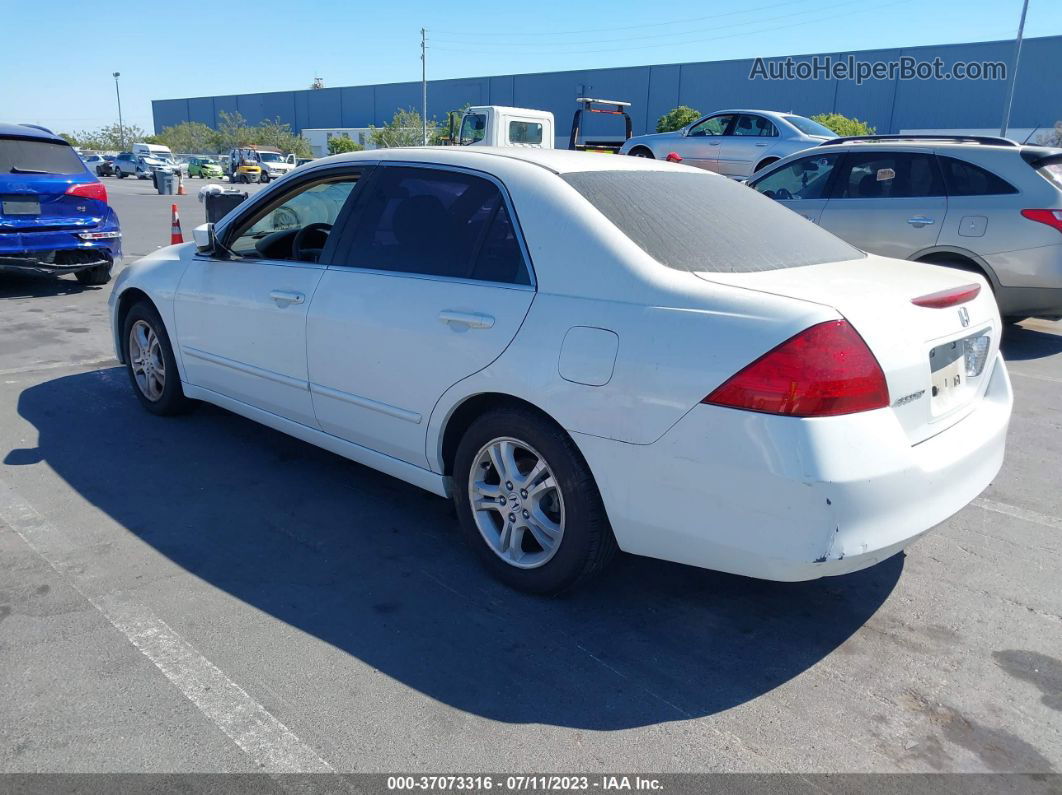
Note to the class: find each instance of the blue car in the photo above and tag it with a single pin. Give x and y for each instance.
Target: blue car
(54, 216)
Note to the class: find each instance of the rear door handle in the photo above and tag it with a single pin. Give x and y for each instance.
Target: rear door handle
(761, 144)
(920, 220)
(466, 319)
(285, 297)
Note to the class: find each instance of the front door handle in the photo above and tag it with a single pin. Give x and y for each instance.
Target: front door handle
(285, 297)
(466, 319)
(713, 143)
(919, 221)
(761, 144)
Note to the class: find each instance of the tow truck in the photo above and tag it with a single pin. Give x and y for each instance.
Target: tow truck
(499, 125)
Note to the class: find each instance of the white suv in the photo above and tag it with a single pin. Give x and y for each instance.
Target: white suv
(987, 205)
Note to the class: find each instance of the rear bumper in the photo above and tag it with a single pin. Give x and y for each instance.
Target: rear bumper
(788, 499)
(1029, 281)
(58, 252)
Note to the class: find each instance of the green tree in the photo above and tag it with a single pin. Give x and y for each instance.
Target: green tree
(842, 125)
(70, 139)
(677, 118)
(110, 137)
(338, 144)
(404, 129)
(233, 131)
(278, 135)
(192, 137)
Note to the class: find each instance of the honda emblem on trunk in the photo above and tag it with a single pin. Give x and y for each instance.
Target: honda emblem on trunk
(964, 316)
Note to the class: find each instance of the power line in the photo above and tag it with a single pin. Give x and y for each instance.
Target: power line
(664, 35)
(583, 51)
(624, 27)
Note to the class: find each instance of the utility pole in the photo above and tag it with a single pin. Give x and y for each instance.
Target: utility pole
(424, 83)
(1014, 73)
(121, 127)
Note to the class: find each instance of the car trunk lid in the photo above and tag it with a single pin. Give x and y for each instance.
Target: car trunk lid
(930, 353)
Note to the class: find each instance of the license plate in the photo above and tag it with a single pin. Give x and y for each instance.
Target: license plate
(21, 207)
(947, 364)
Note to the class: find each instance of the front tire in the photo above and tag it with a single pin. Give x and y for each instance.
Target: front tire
(150, 363)
(641, 151)
(552, 532)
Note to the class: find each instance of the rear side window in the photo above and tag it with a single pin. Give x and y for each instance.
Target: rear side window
(21, 156)
(888, 175)
(1052, 172)
(756, 126)
(966, 179)
(702, 222)
(437, 223)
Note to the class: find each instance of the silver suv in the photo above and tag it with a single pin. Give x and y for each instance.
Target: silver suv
(987, 205)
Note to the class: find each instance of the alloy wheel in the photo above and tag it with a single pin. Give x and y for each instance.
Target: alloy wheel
(516, 503)
(146, 360)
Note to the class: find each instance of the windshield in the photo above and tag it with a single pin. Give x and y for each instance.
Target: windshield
(270, 157)
(809, 127)
(703, 222)
(38, 157)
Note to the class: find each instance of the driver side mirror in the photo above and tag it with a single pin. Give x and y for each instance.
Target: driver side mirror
(203, 235)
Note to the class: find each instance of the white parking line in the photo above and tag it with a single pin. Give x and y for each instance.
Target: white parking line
(1018, 513)
(272, 746)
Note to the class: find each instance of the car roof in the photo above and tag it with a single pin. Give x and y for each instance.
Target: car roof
(559, 161)
(8, 130)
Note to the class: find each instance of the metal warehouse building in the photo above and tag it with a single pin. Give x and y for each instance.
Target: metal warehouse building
(890, 105)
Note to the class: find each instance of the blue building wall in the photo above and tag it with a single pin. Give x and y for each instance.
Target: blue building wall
(889, 105)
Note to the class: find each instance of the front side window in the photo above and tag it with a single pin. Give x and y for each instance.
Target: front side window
(889, 175)
(806, 178)
(756, 126)
(296, 226)
(716, 125)
(473, 128)
(525, 132)
(966, 179)
(436, 223)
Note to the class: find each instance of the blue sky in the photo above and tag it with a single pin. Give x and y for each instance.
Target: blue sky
(267, 45)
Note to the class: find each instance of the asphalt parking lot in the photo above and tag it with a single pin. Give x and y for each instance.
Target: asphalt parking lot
(205, 594)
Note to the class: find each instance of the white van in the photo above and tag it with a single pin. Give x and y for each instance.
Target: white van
(157, 151)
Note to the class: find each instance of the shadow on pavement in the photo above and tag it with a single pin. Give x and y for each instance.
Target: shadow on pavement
(376, 568)
(15, 285)
(1021, 343)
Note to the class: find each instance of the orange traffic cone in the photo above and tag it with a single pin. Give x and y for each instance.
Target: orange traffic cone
(180, 185)
(175, 227)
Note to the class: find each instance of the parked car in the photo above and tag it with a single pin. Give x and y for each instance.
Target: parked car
(54, 217)
(130, 164)
(99, 165)
(736, 143)
(985, 205)
(205, 167)
(273, 164)
(586, 352)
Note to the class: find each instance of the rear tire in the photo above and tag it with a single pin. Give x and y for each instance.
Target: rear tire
(118, 173)
(561, 504)
(154, 375)
(101, 274)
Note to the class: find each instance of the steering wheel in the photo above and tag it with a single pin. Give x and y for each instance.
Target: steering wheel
(303, 253)
(782, 194)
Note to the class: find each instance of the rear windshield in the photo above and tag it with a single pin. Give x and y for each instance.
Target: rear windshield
(702, 222)
(38, 157)
(809, 127)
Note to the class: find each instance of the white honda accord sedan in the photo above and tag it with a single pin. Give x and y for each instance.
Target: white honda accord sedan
(586, 353)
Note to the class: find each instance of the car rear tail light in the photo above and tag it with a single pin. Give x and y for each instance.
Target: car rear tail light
(1050, 217)
(88, 190)
(953, 296)
(823, 371)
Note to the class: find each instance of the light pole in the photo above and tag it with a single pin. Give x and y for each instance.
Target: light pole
(1014, 73)
(424, 84)
(121, 127)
